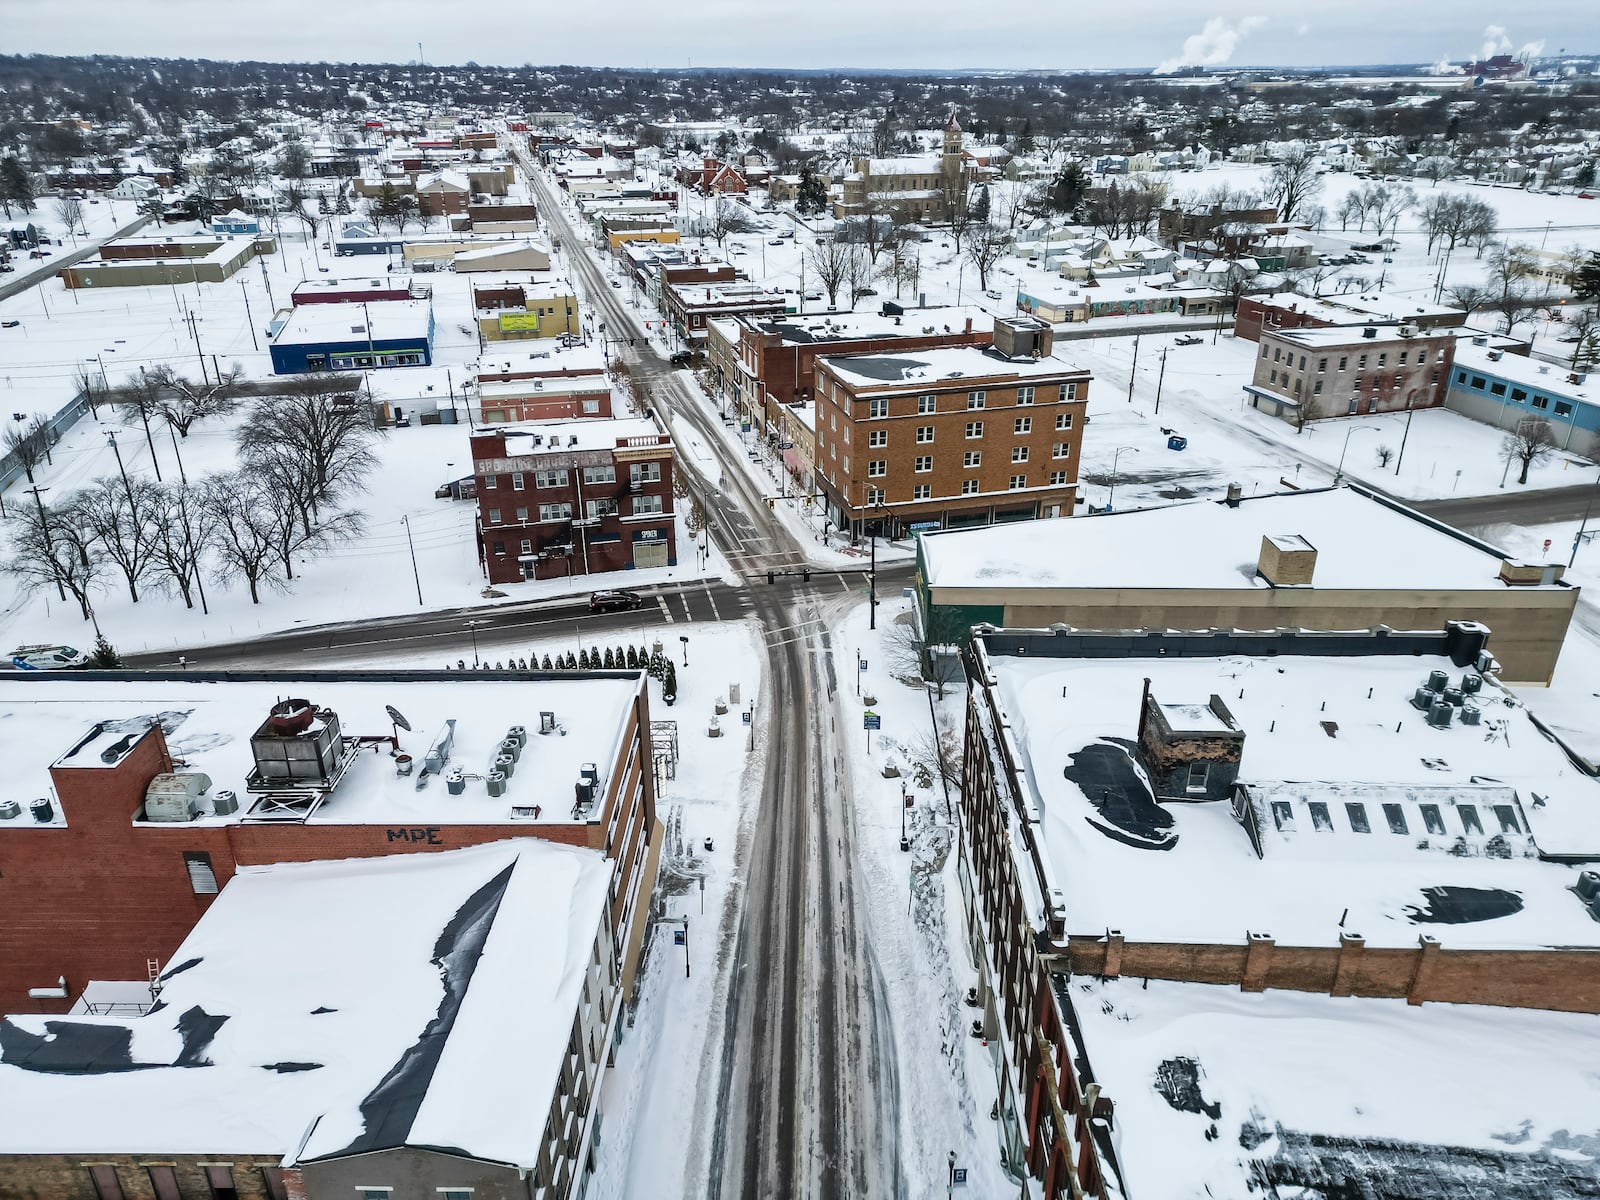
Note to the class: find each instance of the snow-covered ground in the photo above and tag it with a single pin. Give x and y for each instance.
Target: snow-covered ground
(368, 577)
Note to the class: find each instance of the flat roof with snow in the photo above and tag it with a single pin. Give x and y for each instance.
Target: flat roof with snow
(825, 327)
(1371, 820)
(1533, 373)
(1226, 1093)
(1362, 543)
(945, 365)
(590, 434)
(376, 320)
(209, 726)
(360, 1005)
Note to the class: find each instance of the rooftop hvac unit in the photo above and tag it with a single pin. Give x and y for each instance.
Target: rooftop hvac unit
(43, 811)
(1438, 680)
(1441, 714)
(1471, 683)
(225, 802)
(1408, 331)
(439, 753)
(175, 796)
(496, 783)
(1496, 355)
(1589, 884)
(10, 810)
(1471, 714)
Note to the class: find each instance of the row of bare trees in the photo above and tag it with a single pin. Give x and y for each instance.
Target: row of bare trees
(302, 459)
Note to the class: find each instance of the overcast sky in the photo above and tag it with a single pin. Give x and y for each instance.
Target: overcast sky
(809, 33)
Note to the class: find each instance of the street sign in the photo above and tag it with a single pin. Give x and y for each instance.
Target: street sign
(958, 1176)
(680, 936)
(747, 714)
(861, 664)
(785, 445)
(871, 720)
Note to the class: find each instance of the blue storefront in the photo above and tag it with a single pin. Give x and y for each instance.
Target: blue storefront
(353, 337)
(1502, 389)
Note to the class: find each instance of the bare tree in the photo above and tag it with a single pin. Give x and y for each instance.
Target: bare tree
(53, 547)
(236, 512)
(1293, 181)
(70, 210)
(832, 263)
(1507, 292)
(297, 199)
(1468, 297)
(986, 247)
(728, 216)
(294, 160)
(122, 517)
(28, 443)
(1531, 443)
(1454, 219)
(179, 541)
(872, 232)
(326, 435)
(181, 402)
(961, 220)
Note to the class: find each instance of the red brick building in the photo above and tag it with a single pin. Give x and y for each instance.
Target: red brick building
(777, 357)
(109, 868)
(1258, 314)
(574, 498)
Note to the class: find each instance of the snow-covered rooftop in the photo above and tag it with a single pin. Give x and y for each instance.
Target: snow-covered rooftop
(389, 320)
(1361, 543)
(1548, 378)
(839, 326)
(1410, 831)
(1225, 1093)
(449, 978)
(947, 364)
(568, 436)
(209, 726)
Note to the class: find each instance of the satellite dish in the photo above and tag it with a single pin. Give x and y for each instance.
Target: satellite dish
(394, 715)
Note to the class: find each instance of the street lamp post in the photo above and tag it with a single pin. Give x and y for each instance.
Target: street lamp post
(1588, 511)
(111, 437)
(1112, 494)
(473, 627)
(1338, 472)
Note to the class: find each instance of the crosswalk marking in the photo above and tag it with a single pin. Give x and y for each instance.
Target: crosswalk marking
(665, 611)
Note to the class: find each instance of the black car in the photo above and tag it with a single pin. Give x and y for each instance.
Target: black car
(614, 601)
(683, 358)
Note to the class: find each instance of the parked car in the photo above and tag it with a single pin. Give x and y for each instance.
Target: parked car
(774, 241)
(48, 658)
(683, 358)
(616, 283)
(14, 324)
(1190, 340)
(616, 600)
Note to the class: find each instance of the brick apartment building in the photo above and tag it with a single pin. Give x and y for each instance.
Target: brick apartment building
(574, 498)
(951, 437)
(759, 364)
(1225, 230)
(1309, 374)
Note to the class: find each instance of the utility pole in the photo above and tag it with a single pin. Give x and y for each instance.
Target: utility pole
(1133, 370)
(49, 546)
(188, 545)
(1161, 378)
(1400, 457)
(248, 319)
(410, 545)
(200, 354)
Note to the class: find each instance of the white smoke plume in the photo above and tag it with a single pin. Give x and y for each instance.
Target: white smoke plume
(1213, 46)
(1531, 51)
(1495, 42)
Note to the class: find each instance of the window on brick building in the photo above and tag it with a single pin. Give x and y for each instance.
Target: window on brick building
(605, 474)
(877, 468)
(974, 429)
(106, 1184)
(522, 514)
(548, 479)
(926, 404)
(1024, 395)
(518, 481)
(499, 547)
(1018, 482)
(1019, 454)
(976, 399)
(490, 482)
(1069, 391)
(201, 877)
(923, 463)
(922, 491)
(972, 458)
(527, 546)
(877, 408)
(1063, 420)
(1058, 478)
(494, 516)
(924, 434)
(877, 439)
(1022, 425)
(220, 1180)
(969, 487)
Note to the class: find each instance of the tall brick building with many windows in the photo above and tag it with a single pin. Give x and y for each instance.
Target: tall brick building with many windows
(574, 498)
(951, 437)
